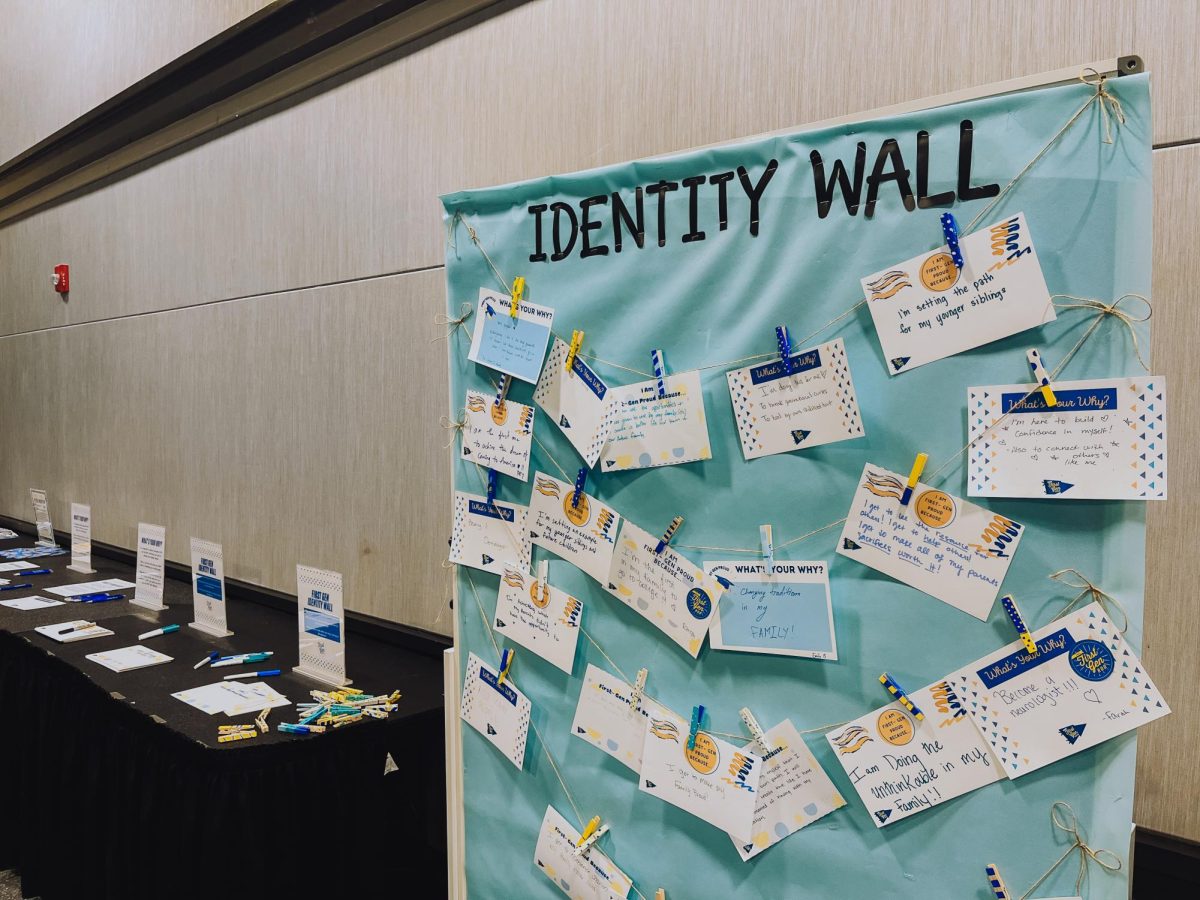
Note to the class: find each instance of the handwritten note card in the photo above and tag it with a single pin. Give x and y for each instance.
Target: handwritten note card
(814, 405)
(498, 437)
(577, 400)
(589, 877)
(583, 533)
(541, 618)
(793, 791)
(667, 589)
(926, 309)
(486, 536)
(715, 780)
(516, 346)
(1104, 440)
(497, 711)
(786, 613)
(900, 765)
(606, 719)
(647, 430)
(1083, 687)
(940, 544)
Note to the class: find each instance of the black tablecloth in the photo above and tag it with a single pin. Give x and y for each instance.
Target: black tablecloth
(130, 796)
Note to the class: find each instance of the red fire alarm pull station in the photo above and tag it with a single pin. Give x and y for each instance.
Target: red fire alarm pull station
(62, 278)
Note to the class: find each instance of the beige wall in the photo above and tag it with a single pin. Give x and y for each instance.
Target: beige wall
(301, 426)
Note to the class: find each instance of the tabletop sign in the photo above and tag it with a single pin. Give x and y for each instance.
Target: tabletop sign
(208, 588)
(322, 625)
(148, 588)
(41, 515)
(81, 539)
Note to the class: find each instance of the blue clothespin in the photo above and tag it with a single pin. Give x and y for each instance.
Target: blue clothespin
(697, 721)
(950, 232)
(580, 480)
(996, 882)
(506, 659)
(785, 348)
(660, 368)
(502, 391)
(668, 534)
(1014, 614)
(493, 477)
(893, 688)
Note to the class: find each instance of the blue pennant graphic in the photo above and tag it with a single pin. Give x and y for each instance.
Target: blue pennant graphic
(848, 544)
(562, 421)
(900, 362)
(799, 435)
(1056, 487)
(1072, 732)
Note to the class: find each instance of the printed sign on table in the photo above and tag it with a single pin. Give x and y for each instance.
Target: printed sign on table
(1083, 687)
(583, 534)
(647, 430)
(41, 517)
(940, 544)
(486, 536)
(81, 539)
(498, 436)
(516, 346)
(1104, 440)
(208, 588)
(814, 405)
(900, 765)
(542, 618)
(589, 877)
(667, 589)
(793, 791)
(606, 719)
(926, 309)
(322, 624)
(577, 400)
(786, 613)
(151, 559)
(497, 711)
(714, 781)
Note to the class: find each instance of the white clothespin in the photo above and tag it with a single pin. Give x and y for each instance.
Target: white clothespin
(755, 729)
(543, 577)
(592, 833)
(1041, 376)
(767, 540)
(639, 688)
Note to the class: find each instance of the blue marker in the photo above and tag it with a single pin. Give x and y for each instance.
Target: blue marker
(37, 572)
(265, 673)
(102, 598)
(242, 658)
(84, 597)
(14, 587)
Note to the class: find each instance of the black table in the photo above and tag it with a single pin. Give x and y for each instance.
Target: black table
(112, 788)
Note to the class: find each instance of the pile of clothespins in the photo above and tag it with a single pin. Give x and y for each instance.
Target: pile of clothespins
(333, 709)
(227, 733)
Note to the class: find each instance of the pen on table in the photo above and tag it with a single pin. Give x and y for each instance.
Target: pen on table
(212, 657)
(14, 587)
(166, 629)
(242, 658)
(265, 673)
(93, 594)
(101, 598)
(38, 572)
(79, 626)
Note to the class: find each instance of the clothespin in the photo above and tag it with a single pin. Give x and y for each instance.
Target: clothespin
(913, 477)
(576, 343)
(639, 688)
(1040, 376)
(506, 659)
(668, 534)
(766, 540)
(898, 692)
(591, 833)
(996, 882)
(261, 720)
(755, 729)
(660, 894)
(660, 369)
(1010, 607)
(543, 576)
(517, 291)
(697, 721)
(950, 233)
(785, 348)
(493, 477)
(580, 480)
(502, 390)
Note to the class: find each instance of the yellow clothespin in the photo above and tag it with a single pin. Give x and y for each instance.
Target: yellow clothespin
(1010, 607)
(517, 291)
(576, 343)
(506, 659)
(592, 832)
(1041, 376)
(913, 477)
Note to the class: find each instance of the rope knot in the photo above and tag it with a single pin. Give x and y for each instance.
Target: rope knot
(453, 427)
(1110, 106)
(464, 313)
(1104, 310)
(1110, 604)
(1062, 816)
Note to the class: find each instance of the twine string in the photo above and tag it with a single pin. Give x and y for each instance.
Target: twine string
(1076, 579)
(455, 428)
(452, 325)
(1063, 818)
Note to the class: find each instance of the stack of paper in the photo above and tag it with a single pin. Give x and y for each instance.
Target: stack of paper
(232, 697)
(128, 658)
(29, 603)
(65, 632)
(91, 587)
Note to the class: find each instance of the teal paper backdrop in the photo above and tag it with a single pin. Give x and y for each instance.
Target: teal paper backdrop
(719, 299)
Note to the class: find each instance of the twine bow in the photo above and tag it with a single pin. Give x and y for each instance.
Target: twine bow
(1063, 818)
(1074, 578)
(1104, 310)
(464, 313)
(1110, 106)
(455, 428)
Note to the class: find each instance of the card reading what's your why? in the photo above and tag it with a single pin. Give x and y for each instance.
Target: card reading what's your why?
(498, 435)
(606, 718)
(1104, 439)
(497, 711)
(786, 613)
(1082, 687)
(589, 877)
(926, 308)
(515, 346)
(901, 765)
(577, 400)
(539, 617)
(488, 535)
(814, 405)
(940, 544)
(582, 532)
(647, 430)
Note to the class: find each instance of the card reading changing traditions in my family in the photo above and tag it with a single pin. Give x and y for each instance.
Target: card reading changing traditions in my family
(786, 613)
(714, 780)
(815, 404)
(1083, 686)
(605, 717)
(648, 430)
(926, 308)
(497, 435)
(497, 711)
(667, 589)
(793, 791)
(583, 531)
(506, 344)
(592, 876)
(901, 765)
(940, 544)
(1102, 440)
(577, 400)
(539, 617)
(488, 535)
